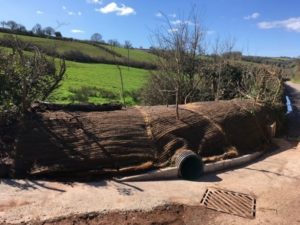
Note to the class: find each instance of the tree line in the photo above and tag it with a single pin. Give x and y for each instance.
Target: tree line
(37, 29)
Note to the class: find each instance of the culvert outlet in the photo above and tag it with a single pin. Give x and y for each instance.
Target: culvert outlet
(189, 165)
(186, 165)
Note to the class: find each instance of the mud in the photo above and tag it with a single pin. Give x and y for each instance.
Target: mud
(162, 215)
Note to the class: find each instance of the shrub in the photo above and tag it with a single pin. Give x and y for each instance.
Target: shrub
(219, 81)
(83, 94)
(25, 78)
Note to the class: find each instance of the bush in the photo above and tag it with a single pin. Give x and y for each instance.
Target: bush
(218, 81)
(26, 78)
(83, 94)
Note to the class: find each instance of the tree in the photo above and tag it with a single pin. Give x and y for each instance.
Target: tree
(21, 28)
(128, 46)
(114, 43)
(12, 25)
(120, 74)
(49, 31)
(96, 37)
(3, 23)
(58, 34)
(37, 29)
(180, 45)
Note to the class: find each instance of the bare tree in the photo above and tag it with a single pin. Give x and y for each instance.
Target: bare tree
(3, 23)
(96, 37)
(179, 43)
(49, 31)
(221, 49)
(128, 46)
(114, 43)
(37, 29)
(12, 25)
(120, 74)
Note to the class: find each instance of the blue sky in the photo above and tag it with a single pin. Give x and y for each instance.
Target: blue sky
(260, 27)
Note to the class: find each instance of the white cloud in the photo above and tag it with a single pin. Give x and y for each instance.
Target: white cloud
(64, 7)
(173, 15)
(39, 12)
(79, 13)
(253, 16)
(77, 31)
(112, 7)
(173, 30)
(210, 32)
(178, 22)
(159, 14)
(291, 24)
(94, 1)
(70, 13)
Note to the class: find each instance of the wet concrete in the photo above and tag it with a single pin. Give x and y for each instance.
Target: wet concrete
(292, 90)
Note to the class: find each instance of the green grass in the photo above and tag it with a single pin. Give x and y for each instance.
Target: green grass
(101, 76)
(134, 54)
(97, 76)
(62, 46)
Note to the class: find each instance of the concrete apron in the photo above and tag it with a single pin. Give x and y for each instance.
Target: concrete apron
(172, 172)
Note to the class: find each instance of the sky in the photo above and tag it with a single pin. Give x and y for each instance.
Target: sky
(259, 27)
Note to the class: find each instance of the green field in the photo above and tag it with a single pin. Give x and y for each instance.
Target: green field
(100, 76)
(134, 54)
(62, 46)
(98, 83)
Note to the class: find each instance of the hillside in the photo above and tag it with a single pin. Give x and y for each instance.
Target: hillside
(85, 51)
(97, 83)
(92, 76)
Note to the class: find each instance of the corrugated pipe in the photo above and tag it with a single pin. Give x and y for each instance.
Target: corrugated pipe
(187, 165)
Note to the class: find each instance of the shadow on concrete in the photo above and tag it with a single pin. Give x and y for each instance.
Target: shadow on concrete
(212, 177)
(273, 173)
(28, 185)
(284, 145)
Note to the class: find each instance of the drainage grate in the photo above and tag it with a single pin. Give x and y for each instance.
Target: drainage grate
(230, 202)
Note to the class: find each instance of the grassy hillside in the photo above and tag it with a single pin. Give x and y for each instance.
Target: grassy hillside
(100, 82)
(62, 46)
(134, 54)
(93, 51)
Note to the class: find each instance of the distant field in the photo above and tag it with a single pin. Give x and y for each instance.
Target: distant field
(99, 76)
(62, 46)
(134, 54)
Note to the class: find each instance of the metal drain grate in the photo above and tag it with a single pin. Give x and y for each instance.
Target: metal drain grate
(230, 202)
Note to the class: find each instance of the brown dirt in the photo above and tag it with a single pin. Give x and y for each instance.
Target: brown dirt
(162, 215)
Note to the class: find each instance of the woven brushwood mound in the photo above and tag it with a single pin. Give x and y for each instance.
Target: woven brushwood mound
(73, 143)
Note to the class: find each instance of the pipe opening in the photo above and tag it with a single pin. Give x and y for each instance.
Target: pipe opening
(190, 166)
